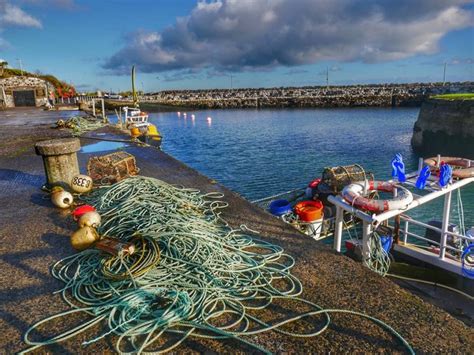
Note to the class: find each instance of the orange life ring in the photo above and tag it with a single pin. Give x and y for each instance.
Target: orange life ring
(462, 167)
(353, 194)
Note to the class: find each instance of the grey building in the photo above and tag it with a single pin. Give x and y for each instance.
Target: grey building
(20, 91)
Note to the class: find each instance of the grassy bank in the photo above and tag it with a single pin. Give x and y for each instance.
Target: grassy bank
(460, 96)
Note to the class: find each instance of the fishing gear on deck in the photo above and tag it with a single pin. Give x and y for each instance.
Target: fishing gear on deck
(445, 174)
(423, 176)
(398, 168)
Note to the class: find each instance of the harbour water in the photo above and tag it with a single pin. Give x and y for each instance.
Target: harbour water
(258, 153)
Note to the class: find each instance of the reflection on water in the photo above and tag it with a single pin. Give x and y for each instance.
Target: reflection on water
(263, 152)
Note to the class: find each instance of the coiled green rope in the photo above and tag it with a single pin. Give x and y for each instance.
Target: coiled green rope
(80, 125)
(210, 280)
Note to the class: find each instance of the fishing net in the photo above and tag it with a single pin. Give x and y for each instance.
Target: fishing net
(191, 276)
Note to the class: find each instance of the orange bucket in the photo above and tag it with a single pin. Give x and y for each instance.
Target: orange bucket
(309, 211)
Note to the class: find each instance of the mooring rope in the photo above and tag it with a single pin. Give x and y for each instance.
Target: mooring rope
(192, 274)
(80, 125)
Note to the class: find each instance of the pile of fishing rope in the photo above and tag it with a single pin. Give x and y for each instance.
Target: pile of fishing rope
(191, 275)
(80, 125)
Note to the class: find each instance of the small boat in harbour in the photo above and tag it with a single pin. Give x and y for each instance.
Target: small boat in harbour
(375, 218)
(136, 121)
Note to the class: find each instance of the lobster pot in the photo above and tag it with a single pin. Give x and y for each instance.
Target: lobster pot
(336, 178)
(111, 168)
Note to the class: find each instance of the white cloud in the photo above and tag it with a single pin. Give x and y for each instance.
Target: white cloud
(11, 15)
(250, 34)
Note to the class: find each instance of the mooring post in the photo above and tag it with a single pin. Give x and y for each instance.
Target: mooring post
(59, 159)
(93, 107)
(103, 109)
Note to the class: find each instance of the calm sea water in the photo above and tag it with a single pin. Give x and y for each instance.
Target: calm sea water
(258, 153)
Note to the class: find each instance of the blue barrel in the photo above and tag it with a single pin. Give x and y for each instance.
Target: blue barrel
(280, 207)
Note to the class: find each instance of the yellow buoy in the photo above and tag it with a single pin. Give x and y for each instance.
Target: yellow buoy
(84, 238)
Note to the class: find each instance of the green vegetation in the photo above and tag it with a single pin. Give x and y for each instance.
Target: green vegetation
(62, 89)
(460, 96)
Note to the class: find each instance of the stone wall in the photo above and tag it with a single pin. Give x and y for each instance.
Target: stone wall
(445, 127)
(8, 85)
(383, 95)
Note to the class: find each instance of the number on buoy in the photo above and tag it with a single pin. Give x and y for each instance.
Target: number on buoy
(81, 183)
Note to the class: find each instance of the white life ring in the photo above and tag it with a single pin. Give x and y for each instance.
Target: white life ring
(353, 194)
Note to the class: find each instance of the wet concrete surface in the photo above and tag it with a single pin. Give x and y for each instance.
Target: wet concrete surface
(34, 235)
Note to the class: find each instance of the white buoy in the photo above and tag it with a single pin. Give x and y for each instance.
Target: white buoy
(179, 113)
(193, 117)
(209, 119)
(185, 114)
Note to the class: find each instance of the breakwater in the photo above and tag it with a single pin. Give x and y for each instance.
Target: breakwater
(383, 95)
(446, 127)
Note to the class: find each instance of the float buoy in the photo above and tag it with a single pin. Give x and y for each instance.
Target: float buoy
(61, 198)
(79, 211)
(81, 183)
(90, 219)
(84, 238)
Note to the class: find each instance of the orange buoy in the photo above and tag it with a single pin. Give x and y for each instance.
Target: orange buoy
(309, 211)
(135, 132)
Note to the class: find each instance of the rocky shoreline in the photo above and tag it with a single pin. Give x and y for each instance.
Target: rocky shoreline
(392, 95)
(445, 126)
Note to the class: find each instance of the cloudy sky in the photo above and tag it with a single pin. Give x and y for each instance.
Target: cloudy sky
(251, 43)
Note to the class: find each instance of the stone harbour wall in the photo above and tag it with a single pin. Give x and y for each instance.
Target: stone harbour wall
(445, 127)
(383, 95)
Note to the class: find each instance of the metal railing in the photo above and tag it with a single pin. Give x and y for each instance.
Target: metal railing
(442, 244)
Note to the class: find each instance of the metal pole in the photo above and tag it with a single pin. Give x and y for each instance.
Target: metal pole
(366, 230)
(444, 73)
(338, 229)
(445, 225)
(405, 235)
(327, 77)
(21, 67)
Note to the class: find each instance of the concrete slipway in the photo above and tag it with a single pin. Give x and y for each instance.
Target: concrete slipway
(33, 235)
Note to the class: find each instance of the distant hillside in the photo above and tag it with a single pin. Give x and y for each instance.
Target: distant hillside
(62, 89)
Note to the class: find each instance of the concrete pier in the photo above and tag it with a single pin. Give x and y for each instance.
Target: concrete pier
(34, 235)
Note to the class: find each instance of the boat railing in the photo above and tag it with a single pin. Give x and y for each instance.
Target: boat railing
(371, 221)
(406, 233)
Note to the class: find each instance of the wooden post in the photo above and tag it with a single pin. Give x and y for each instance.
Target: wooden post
(93, 107)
